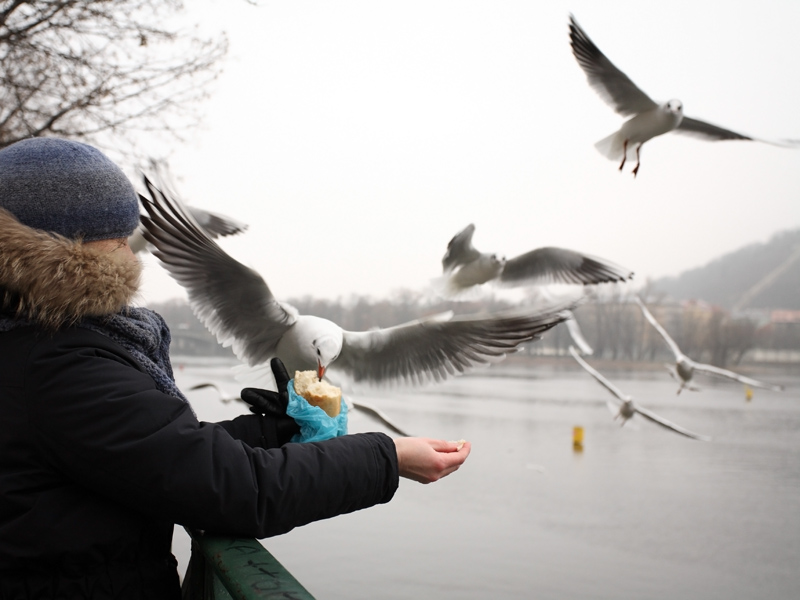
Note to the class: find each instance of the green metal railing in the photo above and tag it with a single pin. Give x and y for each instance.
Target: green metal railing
(223, 568)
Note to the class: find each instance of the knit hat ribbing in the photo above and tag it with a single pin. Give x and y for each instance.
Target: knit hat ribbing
(67, 188)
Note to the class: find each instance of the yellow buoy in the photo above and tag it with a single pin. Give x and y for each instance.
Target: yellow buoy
(577, 438)
(748, 393)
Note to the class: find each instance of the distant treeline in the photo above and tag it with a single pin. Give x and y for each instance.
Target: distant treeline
(612, 324)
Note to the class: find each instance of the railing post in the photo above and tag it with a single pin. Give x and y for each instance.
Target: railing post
(223, 568)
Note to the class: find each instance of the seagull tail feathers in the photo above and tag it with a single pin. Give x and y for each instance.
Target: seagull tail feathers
(611, 147)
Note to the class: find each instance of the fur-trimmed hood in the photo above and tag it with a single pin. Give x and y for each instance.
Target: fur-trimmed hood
(54, 281)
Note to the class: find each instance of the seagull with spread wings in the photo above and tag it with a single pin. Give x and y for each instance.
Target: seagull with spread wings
(464, 266)
(648, 118)
(238, 306)
(627, 408)
(684, 368)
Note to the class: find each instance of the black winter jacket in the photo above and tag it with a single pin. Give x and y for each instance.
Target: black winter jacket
(96, 465)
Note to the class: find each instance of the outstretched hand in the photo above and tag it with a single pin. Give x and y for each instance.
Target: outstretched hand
(425, 460)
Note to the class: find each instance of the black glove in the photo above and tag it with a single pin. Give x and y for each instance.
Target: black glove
(278, 427)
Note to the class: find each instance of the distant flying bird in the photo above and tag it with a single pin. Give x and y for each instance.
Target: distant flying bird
(464, 266)
(225, 396)
(236, 304)
(627, 408)
(685, 367)
(648, 118)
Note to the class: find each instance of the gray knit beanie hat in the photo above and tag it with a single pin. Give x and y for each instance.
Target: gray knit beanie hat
(68, 188)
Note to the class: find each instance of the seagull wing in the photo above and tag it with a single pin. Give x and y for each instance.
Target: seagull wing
(232, 300)
(460, 249)
(670, 342)
(559, 265)
(669, 424)
(379, 415)
(714, 133)
(577, 335)
(600, 379)
(707, 131)
(711, 369)
(608, 81)
(441, 346)
(215, 224)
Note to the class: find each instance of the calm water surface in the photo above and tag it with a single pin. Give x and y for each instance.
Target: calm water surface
(640, 513)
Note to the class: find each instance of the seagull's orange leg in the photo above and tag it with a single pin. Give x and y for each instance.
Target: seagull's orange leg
(624, 153)
(638, 160)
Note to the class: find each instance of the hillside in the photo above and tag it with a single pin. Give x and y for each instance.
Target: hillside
(757, 276)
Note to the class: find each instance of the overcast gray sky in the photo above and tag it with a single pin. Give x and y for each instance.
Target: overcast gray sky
(356, 138)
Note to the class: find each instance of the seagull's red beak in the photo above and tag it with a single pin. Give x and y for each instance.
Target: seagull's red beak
(320, 371)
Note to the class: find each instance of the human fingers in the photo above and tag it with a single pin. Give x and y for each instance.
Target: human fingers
(446, 446)
(281, 375)
(419, 459)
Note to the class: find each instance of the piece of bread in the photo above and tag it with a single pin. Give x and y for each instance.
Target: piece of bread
(318, 393)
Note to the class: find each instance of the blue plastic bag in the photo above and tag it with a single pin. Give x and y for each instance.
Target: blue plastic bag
(315, 424)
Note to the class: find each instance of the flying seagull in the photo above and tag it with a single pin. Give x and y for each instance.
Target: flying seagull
(237, 305)
(648, 118)
(684, 367)
(464, 266)
(225, 396)
(627, 407)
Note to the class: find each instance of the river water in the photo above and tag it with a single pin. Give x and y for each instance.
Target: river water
(639, 513)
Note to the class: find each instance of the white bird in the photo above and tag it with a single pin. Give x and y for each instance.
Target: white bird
(627, 408)
(464, 266)
(236, 304)
(648, 118)
(224, 396)
(684, 367)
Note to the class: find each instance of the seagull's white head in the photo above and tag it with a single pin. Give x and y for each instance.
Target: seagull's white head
(674, 106)
(327, 348)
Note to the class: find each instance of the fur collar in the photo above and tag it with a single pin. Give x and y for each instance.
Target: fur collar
(54, 281)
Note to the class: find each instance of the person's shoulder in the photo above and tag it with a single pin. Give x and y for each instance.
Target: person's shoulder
(76, 341)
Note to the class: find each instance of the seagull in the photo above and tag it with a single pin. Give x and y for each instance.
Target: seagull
(685, 367)
(627, 408)
(224, 396)
(648, 118)
(237, 305)
(464, 266)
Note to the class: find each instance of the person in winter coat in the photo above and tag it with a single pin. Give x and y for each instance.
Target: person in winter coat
(100, 452)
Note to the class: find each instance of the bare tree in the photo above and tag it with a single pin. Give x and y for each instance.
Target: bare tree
(84, 68)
